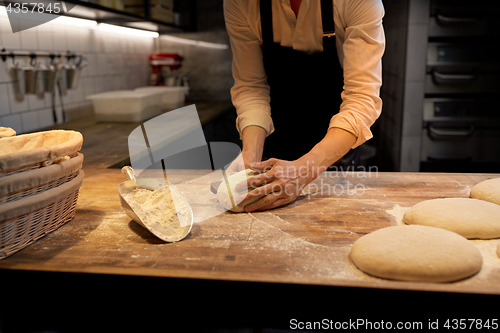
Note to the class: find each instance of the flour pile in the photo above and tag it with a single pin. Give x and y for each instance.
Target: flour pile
(157, 210)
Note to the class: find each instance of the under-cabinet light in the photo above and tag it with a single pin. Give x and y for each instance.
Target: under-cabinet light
(75, 21)
(195, 42)
(3, 12)
(128, 31)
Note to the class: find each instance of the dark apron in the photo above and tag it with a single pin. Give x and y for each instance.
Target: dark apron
(305, 90)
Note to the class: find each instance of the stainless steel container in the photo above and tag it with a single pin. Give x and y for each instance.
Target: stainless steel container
(40, 80)
(30, 79)
(18, 79)
(73, 76)
(50, 78)
(73, 72)
(63, 78)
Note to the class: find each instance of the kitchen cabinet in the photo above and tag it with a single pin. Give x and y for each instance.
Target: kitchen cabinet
(163, 16)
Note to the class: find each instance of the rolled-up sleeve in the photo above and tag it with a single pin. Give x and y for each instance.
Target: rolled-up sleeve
(362, 44)
(250, 92)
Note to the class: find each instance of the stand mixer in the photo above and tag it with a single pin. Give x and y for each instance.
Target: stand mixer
(158, 60)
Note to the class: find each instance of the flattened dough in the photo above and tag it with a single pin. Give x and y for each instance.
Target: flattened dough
(470, 218)
(498, 249)
(489, 190)
(416, 253)
(224, 195)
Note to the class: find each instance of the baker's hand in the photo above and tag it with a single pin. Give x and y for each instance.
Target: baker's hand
(280, 182)
(242, 162)
(253, 144)
(283, 181)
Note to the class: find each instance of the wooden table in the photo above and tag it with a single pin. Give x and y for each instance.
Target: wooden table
(305, 242)
(246, 265)
(105, 143)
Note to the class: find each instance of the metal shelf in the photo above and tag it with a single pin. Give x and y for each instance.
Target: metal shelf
(4, 54)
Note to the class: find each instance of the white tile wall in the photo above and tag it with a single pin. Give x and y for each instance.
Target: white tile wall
(30, 121)
(211, 78)
(13, 121)
(116, 62)
(17, 101)
(45, 37)
(4, 97)
(45, 117)
(29, 39)
(9, 39)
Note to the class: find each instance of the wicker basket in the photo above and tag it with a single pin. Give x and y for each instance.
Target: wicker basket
(23, 184)
(25, 220)
(6, 132)
(40, 177)
(32, 151)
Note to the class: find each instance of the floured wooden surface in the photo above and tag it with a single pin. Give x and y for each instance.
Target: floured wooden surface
(304, 242)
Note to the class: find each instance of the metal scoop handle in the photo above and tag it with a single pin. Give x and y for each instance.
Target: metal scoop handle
(128, 172)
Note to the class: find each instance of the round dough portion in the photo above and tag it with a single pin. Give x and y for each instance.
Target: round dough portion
(489, 190)
(224, 194)
(416, 253)
(470, 218)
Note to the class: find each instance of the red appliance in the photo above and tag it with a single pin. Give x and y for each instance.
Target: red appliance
(157, 60)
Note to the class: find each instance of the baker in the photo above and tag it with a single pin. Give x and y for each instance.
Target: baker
(307, 88)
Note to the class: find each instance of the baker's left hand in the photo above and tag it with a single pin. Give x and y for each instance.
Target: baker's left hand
(280, 183)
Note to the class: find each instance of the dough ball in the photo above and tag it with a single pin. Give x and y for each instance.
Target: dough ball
(416, 253)
(224, 194)
(470, 218)
(489, 190)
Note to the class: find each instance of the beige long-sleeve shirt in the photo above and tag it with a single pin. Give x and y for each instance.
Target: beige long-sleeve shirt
(360, 43)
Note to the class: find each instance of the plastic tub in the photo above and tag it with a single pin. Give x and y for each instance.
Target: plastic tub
(172, 97)
(126, 105)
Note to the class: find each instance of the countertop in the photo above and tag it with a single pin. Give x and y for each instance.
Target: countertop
(305, 243)
(105, 143)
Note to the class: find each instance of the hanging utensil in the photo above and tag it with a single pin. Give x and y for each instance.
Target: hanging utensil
(40, 80)
(19, 82)
(56, 70)
(30, 75)
(74, 71)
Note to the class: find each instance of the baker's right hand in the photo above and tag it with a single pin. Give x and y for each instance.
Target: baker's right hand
(242, 162)
(253, 138)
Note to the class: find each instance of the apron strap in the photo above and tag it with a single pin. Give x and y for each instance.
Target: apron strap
(266, 20)
(327, 18)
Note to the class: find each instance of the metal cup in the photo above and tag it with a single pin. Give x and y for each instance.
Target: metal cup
(19, 81)
(30, 79)
(73, 77)
(40, 80)
(63, 78)
(50, 79)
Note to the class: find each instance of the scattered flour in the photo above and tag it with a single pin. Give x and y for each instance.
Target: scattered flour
(397, 211)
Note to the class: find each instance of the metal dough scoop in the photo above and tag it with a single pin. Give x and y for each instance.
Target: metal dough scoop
(165, 234)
